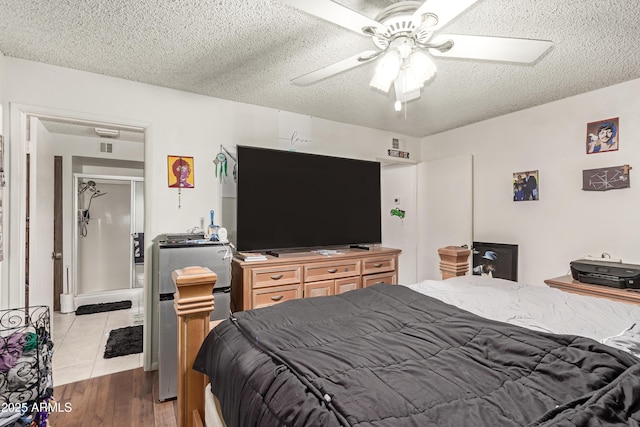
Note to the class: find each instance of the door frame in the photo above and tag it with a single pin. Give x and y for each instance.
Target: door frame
(15, 273)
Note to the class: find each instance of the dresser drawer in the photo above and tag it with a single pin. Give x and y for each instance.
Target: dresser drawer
(348, 284)
(378, 264)
(331, 270)
(374, 279)
(275, 276)
(323, 288)
(269, 296)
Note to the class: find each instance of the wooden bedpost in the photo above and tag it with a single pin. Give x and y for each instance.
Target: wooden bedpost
(453, 261)
(193, 304)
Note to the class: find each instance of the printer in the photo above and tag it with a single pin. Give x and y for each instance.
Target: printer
(606, 273)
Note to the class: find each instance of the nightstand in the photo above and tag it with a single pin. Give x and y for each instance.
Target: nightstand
(568, 284)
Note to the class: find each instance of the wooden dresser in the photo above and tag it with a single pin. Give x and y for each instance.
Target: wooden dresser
(569, 284)
(257, 284)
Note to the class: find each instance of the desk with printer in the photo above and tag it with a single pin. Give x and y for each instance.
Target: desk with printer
(599, 278)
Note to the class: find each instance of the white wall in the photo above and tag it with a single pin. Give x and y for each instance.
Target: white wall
(399, 182)
(566, 223)
(178, 123)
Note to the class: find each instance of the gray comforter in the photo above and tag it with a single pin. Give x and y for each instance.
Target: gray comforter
(389, 356)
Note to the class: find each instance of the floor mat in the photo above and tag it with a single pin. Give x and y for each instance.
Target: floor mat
(124, 341)
(102, 307)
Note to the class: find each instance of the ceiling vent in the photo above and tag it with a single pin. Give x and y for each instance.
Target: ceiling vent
(105, 147)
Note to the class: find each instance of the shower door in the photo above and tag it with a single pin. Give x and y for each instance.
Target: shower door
(105, 209)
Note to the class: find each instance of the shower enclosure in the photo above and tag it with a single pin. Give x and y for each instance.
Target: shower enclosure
(108, 252)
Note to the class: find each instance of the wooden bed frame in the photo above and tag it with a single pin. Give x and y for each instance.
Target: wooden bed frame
(193, 305)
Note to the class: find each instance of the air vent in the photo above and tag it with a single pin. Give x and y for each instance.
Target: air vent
(105, 147)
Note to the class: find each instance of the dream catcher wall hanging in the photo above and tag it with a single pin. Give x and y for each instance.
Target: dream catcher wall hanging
(220, 163)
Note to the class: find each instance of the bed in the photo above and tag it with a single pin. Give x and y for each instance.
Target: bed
(465, 351)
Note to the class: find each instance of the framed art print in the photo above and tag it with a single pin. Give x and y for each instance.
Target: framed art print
(525, 186)
(180, 171)
(603, 136)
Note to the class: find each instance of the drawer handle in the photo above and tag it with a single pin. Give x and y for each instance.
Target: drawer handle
(332, 270)
(379, 283)
(378, 265)
(277, 276)
(277, 297)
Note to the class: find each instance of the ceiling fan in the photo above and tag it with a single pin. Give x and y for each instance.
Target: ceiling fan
(405, 40)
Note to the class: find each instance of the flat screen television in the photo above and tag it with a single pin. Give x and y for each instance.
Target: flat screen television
(292, 200)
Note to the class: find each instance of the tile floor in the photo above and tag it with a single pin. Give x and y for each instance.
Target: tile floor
(79, 343)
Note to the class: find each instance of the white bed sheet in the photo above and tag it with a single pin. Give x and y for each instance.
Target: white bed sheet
(212, 417)
(535, 307)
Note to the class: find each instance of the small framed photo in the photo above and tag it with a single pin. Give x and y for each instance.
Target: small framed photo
(180, 171)
(498, 260)
(603, 136)
(526, 186)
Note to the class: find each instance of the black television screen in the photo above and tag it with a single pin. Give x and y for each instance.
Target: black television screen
(296, 200)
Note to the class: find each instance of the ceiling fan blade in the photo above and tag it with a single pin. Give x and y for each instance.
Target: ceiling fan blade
(491, 48)
(445, 10)
(338, 67)
(336, 13)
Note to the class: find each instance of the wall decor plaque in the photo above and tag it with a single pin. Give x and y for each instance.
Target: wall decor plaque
(603, 179)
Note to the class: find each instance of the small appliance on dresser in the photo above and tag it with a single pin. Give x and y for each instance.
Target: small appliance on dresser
(172, 252)
(606, 273)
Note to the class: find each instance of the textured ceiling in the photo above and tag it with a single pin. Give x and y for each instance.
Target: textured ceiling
(249, 50)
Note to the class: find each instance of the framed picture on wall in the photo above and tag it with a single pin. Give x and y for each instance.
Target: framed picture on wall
(525, 186)
(498, 260)
(180, 171)
(603, 136)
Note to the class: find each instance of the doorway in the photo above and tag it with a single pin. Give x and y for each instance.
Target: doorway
(40, 134)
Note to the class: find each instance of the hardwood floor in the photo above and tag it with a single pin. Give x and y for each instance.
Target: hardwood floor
(122, 399)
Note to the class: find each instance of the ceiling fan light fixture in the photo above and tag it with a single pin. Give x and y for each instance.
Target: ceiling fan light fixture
(405, 66)
(386, 71)
(407, 85)
(405, 47)
(403, 33)
(422, 65)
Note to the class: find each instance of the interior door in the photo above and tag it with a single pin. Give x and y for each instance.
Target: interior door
(445, 209)
(57, 233)
(41, 200)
